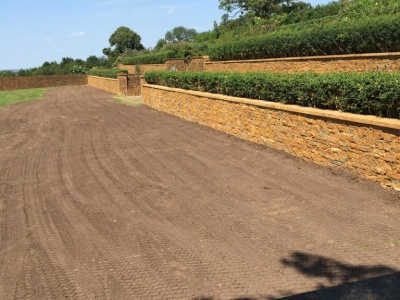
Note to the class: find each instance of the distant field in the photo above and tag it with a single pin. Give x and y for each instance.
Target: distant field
(9, 97)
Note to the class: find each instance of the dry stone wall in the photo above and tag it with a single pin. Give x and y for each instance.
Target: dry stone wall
(107, 84)
(365, 145)
(30, 82)
(387, 62)
(176, 64)
(319, 64)
(128, 85)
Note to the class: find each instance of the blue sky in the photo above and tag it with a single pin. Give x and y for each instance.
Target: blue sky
(35, 31)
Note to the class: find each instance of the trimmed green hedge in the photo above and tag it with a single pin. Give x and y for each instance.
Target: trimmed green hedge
(109, 73)
(151, 58)
(374, 93)
(368, 35)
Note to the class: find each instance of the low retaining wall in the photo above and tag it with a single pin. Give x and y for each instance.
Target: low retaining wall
(145, 68)
(387, 62)
(30, 82)
(175, 64)
(365, 145)
(128, 85)
(106, 84)
(142, 68)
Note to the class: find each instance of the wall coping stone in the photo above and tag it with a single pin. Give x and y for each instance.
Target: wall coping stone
(105, 78)
(175, 58)
(316, 112)
(148, 65)
(388, 55)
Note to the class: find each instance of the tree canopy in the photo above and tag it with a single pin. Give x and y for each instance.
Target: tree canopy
(261, 8)
(121, 39)
(180, 34)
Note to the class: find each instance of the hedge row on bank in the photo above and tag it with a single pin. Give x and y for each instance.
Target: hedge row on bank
(151, 58)
(360, 93)
(367, 35)
(108, 73)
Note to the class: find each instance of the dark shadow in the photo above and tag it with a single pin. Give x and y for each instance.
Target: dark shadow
(331, 269)
(378, 282)
(386, 287)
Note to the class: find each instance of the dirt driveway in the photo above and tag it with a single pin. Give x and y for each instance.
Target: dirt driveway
(99, 200)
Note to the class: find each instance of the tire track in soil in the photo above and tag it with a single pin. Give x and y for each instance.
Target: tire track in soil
(298, 229)
(46, 252)
(12, 229)
(156, 258)
(12, 218)
(110, 257)
(104, 201)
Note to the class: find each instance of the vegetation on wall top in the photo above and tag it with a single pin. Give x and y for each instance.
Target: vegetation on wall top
(108, 73)
(372, 93)
(368, 35)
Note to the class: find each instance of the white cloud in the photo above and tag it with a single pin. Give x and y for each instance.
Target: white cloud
(170, 10)
(60, 50)
(76, 34)
(48, 40)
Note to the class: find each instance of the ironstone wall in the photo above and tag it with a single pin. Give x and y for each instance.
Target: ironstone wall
(30, 82)
(386, 62)
(365, 145)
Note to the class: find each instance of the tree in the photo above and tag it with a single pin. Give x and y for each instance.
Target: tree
(180, 34)
(121, 39)
(259, 8)
(65, 61)
(160, 44)
(295, 7)
(94, 61)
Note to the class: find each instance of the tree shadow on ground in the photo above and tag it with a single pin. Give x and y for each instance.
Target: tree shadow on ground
(336, 273)
(333, 270)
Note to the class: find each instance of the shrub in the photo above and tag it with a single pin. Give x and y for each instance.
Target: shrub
(373, 93)
(378, 34)
(151, 58)
(7, 73)
(109, 73)
(77, 69)
(357, 9)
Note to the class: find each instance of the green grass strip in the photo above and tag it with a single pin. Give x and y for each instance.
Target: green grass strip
(131, 101)
(10, 97)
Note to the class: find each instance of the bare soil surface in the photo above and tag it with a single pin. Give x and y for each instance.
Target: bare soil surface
(100, 200)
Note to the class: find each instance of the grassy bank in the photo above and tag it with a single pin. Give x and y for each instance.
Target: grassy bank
(10, 97)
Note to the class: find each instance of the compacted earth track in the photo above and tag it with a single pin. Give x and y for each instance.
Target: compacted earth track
(100, 200)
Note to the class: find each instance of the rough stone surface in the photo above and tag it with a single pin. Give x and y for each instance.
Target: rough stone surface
(323, 65)
(133, 85)
(29, 82)
(128, 85)
(385, 62)
(177, 64)
(107, 84)
(197, 63)
(369, 151)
